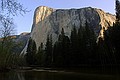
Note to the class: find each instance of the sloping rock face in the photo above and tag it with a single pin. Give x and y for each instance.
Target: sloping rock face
(23, 37)
(21, 41)
(49, 21)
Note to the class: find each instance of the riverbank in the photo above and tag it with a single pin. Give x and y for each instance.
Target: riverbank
(39, 74)
(70, 70)
(83, 70)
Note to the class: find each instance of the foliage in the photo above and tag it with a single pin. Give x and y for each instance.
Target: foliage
(31, 52)
(11, 7)
(48, 51)
(6, 44)
(75, 51)
(117, 10)
(8, 8)
(40, 56)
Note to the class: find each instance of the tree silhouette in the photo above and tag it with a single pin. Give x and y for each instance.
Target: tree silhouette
(49, 51)
(31, 52)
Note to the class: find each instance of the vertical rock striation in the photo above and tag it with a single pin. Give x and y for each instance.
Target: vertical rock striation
(49, 21)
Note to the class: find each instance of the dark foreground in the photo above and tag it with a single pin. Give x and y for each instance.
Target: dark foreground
(36, 74)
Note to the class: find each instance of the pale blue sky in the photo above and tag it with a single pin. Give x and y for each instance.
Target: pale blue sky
(24, 23)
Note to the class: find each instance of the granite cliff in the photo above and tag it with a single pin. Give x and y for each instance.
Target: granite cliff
(20, 41)
(48, 21)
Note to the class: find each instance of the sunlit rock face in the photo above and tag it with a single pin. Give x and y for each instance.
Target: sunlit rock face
(49, 21)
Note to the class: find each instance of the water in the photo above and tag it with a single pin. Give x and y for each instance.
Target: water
(45, 75)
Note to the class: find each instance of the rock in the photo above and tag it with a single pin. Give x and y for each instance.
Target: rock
(49, 21)
(23, 37)
(21, 41)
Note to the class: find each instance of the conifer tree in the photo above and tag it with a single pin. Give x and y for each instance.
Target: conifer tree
(117, 10)
(48, 51)
(40, 56)
(112, 40)
(74, 40)
(88, 44)
(114, 33)
(31, 52)
(74, 46)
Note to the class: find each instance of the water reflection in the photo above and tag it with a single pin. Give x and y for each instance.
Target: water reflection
(34, 75)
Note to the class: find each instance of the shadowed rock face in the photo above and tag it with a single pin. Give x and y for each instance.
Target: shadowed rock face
(49, 21)
(21, 41)
(23, 37)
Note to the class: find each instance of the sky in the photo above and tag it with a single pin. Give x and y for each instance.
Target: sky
(24, 23)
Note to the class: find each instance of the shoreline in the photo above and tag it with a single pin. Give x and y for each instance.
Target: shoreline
(69, 70)
(71, 73)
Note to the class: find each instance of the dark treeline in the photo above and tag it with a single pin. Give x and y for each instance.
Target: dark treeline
(78, 50)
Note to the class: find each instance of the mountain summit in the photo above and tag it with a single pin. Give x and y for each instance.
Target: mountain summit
(49, 21)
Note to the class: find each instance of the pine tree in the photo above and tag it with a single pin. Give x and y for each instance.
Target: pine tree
(74, 39)
(40, 56)
(112, 40)
(74, 46)
(117, 11)
(49, 51)
(113, 34)
(31, 52)
(61, 50)
(88, 44)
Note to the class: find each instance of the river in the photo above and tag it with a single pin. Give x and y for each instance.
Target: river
(53, 75)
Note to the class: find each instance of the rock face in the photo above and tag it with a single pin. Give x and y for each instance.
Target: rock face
(49, 21)
(21, 41)
(23, 37)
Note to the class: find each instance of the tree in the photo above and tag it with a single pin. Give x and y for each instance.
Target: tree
(11, 7)
(86, 45)
(109, 47)
(49, 51)
(8, 9)
(40, 56)
(112, 35)
(74, 46)
(117, 11)
(74, 39)
(31, 52)
(6, 42)
(6, 30)
(61, 51)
